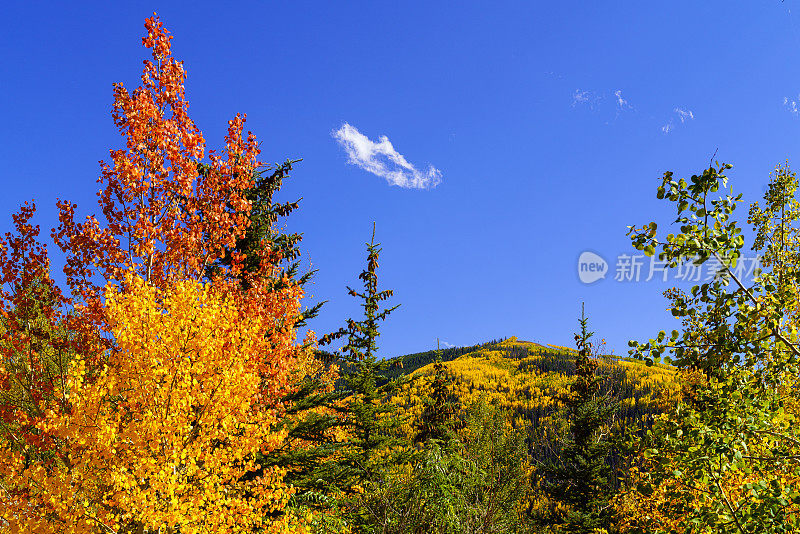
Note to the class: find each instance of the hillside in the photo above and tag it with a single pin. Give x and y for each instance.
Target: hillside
(527, 379)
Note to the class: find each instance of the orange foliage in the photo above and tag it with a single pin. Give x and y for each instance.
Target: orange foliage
(165, 220)
(140, 403)
(32, 350)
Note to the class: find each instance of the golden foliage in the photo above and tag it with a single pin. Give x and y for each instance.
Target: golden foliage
(166, 435)
(142, 402)
(528, 379)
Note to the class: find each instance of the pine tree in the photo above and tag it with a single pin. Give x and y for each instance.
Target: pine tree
(581, 477)
(371, 420)
(310, 409)
(262, 241)
(441, 407)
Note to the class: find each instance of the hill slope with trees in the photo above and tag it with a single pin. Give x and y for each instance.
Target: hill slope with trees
(528, 380)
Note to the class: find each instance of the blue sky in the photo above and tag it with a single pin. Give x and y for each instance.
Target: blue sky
(540, 130)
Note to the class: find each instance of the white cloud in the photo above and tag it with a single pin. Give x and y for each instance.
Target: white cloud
(446, 344)
(594, 100)
(791, 105)
(381, 159)
(684, 114)
(582, 97)
(621, 102)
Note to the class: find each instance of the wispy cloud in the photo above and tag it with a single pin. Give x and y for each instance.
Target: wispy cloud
(583, 97)
(446, 344)
(595, 100)
(621, 102)
(381, 159)
(791, 105)
(683, 115)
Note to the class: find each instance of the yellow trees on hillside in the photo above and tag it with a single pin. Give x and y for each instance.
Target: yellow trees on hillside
(528, 378)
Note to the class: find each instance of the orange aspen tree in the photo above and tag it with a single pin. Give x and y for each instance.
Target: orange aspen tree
(165, 220)
(37, 341)
(141, 402)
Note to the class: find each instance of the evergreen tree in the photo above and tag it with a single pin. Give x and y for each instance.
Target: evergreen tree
(262, 241)
(309, 416)
(581, 478)
(371, 420)
(441, 407)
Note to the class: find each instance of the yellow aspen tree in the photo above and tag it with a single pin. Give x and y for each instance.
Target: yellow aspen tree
(166, 436)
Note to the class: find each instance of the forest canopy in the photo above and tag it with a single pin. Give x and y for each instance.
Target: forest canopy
(165, 386)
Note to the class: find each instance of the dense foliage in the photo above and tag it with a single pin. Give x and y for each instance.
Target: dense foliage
(580, 477)
(168, 391)
(726, 459)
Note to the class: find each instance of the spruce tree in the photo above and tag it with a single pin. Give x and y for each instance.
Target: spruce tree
(581, 478)
(309, 415)
(262, 240)
(372, 421)
(438, 421)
